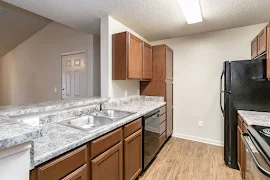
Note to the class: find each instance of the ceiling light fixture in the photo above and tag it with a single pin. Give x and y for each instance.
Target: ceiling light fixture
(191, 10)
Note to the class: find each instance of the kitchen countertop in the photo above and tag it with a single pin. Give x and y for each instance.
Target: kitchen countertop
(57, 139)
(13, 133)
(255, 117)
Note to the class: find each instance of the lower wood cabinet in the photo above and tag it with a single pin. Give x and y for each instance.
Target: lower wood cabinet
(79, 174)
(109, 165)
(133, 155)
(109, 157)
(241, 150)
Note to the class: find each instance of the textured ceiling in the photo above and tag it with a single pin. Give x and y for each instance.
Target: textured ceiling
(17, 25)
(153, 19)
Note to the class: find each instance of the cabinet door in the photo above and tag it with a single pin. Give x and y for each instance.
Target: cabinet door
(169, 105)
(79, 174)
(169, 63)
(239, 149)
(133, 155)
(135, 57)
(109, 165)
(147, 61)
(262, 41)
(254, 48)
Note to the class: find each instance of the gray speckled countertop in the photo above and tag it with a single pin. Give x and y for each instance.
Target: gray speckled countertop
(13, 133)
(255, 118)
(58, 139)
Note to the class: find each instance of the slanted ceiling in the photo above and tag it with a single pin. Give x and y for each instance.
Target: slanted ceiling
(153, 19)
(17, 25)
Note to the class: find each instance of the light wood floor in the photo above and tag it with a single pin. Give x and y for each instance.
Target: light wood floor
(188, 160)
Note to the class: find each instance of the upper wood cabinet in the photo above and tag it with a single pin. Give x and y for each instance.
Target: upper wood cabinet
(262, 41)
(147, 61)
(254, 48)
(131, 57)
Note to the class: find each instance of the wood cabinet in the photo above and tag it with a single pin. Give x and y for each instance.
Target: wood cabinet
(254, 48)
(135, 57)
(109, 165)
(131, 57)
(107, 157)
(79, 174)
(262, 41)
(147, 62)
(260, 48)
(133, 155)
(241, 151)
(162, 81)
(68, 166)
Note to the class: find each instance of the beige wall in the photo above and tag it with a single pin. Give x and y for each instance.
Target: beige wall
(33, 69)
(116, 88)
(198, 62)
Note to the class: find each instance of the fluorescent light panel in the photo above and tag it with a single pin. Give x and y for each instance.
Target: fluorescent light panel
(191, 10)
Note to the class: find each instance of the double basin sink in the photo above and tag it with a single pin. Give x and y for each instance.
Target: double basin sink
(96, 119)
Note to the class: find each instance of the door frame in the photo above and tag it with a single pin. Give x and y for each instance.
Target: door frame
(86, 67)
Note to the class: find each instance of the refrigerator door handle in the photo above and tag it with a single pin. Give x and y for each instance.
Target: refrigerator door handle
(221, 92)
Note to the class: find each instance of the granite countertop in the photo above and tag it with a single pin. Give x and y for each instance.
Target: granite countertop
(14, 133)
(255, 117)
(57, 139)
(14, 130)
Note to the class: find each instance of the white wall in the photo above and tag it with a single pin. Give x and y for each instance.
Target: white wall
(32, 70)
(116, 88)
(198, 61)
(0, 80)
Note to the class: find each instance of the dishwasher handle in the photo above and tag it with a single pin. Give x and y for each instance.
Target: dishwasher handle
(264, 171)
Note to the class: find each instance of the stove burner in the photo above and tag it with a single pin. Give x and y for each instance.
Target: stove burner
(265, 131)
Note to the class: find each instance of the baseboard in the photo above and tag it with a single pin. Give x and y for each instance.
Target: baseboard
(198, 139)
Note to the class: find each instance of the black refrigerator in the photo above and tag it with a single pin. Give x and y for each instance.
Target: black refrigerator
(243, 86)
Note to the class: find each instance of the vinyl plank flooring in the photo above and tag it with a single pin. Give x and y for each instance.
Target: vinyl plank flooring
(182, 159)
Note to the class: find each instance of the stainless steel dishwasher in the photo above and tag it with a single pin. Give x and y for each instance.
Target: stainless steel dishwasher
(151, 143)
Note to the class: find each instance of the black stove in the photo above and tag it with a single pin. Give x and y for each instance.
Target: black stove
(261, 134)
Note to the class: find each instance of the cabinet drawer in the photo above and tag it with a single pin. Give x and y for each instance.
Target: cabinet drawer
(105, 142)
(64, 165)
(162, 110)
(162, 118)
(162, 138)
(240, 121)
(132, 127)
(162, 128)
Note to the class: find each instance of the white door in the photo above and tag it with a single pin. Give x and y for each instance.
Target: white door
(74, 81)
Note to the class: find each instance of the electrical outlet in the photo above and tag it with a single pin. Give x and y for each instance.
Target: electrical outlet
(55, 89)
(126, 93)
(200, 123)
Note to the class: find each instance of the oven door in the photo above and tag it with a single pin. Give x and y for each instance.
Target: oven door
(256, 166)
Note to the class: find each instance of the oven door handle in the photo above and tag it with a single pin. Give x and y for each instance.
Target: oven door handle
(265, 172)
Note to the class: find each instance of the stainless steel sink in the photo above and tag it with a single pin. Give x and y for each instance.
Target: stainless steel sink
(113, 114)
(87, 122)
